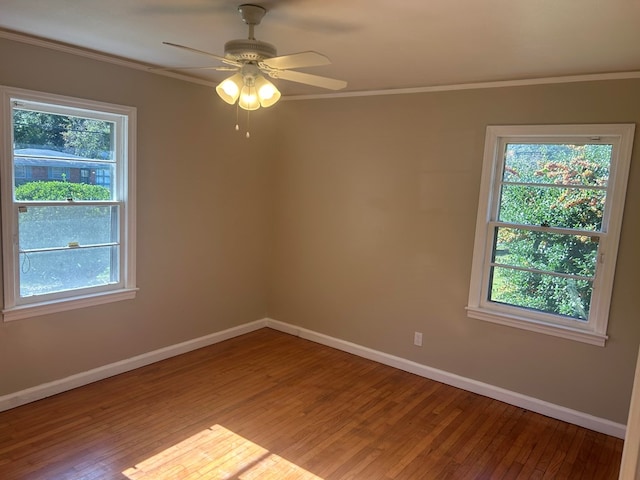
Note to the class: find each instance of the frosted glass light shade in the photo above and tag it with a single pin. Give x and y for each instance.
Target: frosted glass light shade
(268, 94)
(229, 89)
(251, 91)
(249, 98)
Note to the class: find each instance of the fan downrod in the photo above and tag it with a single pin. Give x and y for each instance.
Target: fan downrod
(250, 49)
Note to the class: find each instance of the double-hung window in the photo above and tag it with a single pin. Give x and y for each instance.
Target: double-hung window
(68, 236)
(549, 220)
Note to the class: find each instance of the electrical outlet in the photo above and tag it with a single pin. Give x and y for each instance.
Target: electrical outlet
(417, 339)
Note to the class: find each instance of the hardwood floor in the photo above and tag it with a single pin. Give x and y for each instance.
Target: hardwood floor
(271, 406)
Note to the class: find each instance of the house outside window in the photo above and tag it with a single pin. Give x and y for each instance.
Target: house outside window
(548, 225)
(66, 243)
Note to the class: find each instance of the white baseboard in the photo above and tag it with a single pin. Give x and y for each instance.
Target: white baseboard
(513, 398)
(58, 386)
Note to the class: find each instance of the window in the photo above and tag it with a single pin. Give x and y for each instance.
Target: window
(103, 177)
(67, 242)
(20, 172)
(58, 173)
(549, 219)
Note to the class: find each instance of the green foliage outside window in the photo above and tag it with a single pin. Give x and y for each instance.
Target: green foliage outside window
(557, 186)
(83, 137)
(56, 190)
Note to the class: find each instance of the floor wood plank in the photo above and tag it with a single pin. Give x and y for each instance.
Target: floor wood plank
(269, 405)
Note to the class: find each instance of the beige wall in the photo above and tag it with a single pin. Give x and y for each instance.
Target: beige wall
(374, 223)
(202, 222)
(353, 217)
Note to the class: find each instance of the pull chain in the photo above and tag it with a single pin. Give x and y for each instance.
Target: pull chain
(248, 135)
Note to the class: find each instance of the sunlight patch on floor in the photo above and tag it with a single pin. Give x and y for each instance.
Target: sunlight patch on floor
(217, 453)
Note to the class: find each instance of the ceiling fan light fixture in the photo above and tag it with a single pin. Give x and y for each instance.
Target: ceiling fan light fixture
(229, 89)
(251, 58)
(251, 90)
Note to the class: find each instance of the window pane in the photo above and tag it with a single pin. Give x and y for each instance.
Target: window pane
(569, 254)
(46, 227)
(40, 176)
(580, 209)
(564, 164)
(65, 152)
(74, 135)
(69, 269)
(545, 293)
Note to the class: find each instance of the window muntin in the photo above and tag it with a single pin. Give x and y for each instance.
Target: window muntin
(548, 225)
(70, 233)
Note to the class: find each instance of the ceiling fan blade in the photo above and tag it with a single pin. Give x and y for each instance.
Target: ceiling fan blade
(202, 52)
(297, 60)
(308, 79)
(218, 69)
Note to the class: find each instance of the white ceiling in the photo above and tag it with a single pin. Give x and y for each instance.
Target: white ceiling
(373, 44)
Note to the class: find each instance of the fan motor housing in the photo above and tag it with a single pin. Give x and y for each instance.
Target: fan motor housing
(249, 50)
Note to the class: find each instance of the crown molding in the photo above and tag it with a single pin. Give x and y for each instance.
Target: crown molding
(74, 50)
(92, 54)
(475, 86)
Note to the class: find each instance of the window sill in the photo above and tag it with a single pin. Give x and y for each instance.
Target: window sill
(576, 334)
(54, 306)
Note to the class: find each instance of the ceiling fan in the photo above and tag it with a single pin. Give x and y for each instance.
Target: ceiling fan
(253, 59)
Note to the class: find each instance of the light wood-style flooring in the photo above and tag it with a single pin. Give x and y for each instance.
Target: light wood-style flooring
(268, 405)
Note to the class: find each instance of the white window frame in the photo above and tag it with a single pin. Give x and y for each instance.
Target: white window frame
(15, 307)
(593, 331)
